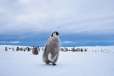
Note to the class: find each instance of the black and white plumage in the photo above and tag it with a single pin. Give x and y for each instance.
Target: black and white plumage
(51, 51)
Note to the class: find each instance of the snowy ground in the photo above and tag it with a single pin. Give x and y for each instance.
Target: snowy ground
(97, 61)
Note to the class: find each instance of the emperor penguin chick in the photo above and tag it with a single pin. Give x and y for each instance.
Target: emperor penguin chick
(51, 51)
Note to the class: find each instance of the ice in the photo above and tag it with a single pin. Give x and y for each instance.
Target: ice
(97, 61)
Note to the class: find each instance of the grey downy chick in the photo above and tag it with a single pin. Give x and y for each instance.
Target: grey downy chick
(51, 51)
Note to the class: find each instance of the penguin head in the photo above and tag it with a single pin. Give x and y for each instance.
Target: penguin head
(55, 34)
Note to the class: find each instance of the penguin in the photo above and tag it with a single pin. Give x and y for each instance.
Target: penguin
(52, 48)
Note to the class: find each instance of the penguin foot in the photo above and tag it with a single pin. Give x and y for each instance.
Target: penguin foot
(53, 64)
(47, 62)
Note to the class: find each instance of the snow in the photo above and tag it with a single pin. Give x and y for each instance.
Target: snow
(97, 61)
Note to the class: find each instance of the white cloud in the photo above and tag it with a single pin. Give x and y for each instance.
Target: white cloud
(69, 16)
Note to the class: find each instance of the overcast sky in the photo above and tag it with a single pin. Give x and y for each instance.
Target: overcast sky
(68, 16)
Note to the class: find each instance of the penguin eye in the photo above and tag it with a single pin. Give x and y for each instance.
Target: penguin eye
(57, 33)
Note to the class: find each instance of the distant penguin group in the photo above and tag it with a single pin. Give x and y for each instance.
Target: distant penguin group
(51, 51)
